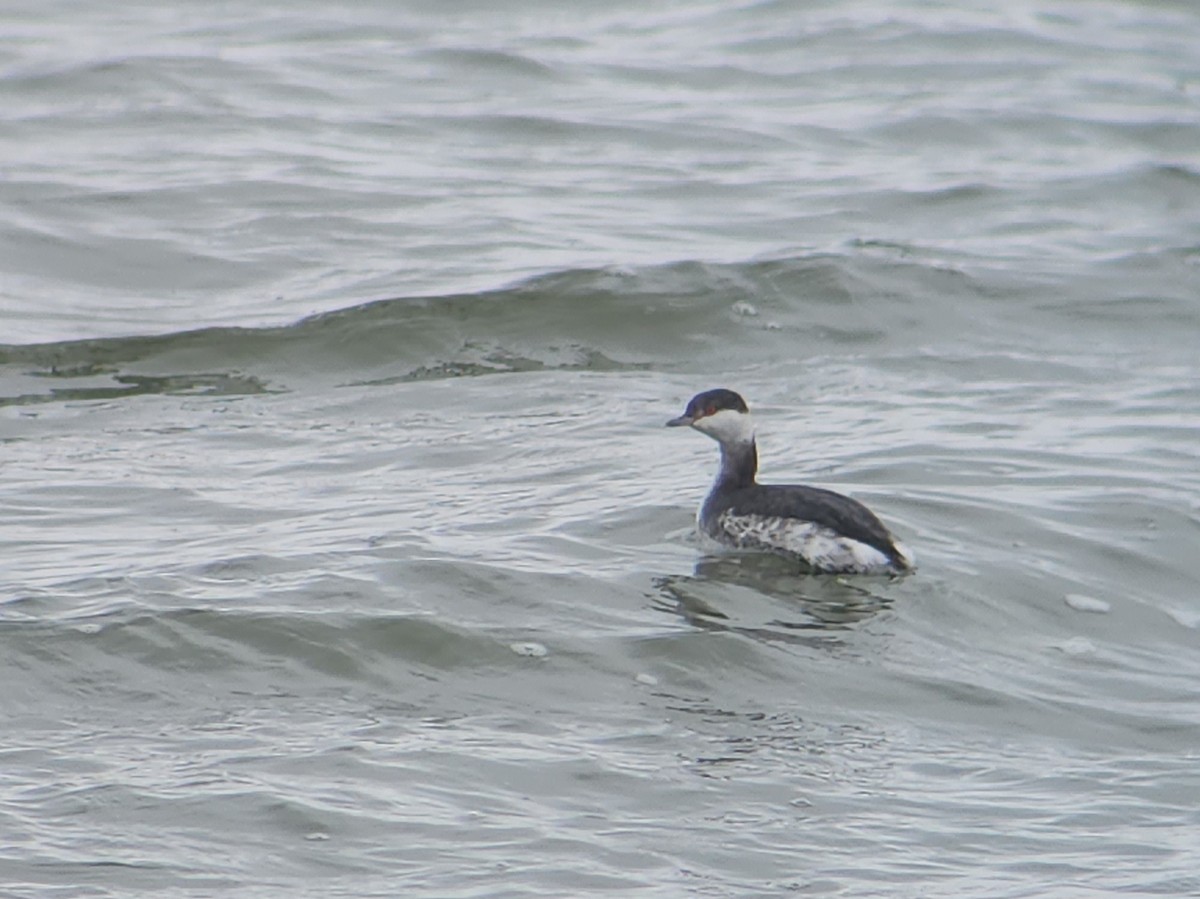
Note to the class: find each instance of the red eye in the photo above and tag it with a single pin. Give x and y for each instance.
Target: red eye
(711, 410)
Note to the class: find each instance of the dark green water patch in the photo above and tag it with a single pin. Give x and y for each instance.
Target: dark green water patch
(678, 316)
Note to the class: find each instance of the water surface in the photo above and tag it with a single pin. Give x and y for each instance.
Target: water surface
(345, 553)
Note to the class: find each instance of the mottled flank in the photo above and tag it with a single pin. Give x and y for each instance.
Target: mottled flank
(798, 508)
(820, 549)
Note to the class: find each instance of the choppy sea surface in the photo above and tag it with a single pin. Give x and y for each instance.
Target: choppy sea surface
(343, 551)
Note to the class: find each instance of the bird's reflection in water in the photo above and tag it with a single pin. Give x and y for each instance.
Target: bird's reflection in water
(815, 606)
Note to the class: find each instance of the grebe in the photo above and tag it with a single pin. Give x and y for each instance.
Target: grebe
(829, 533)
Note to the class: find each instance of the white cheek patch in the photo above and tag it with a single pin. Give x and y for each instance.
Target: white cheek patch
(727, 426)
(819, 547)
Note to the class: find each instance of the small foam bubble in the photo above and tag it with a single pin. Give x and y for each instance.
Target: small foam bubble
(1077, 646)
(1188, 618)
(649, 679)
(1081, 603)
(531, 650)
(744, 309)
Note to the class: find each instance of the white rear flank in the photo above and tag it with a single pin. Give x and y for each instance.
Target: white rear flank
(910, 561)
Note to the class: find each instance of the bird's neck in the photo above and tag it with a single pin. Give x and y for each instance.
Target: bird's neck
(739, 464)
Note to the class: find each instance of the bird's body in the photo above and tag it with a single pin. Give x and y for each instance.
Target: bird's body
(827, 532)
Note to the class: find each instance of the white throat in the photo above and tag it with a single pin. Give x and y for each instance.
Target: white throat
(727, 426)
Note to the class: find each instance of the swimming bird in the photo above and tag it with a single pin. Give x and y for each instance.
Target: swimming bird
(827, 532)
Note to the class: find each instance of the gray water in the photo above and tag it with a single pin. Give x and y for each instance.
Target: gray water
(344, 551)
